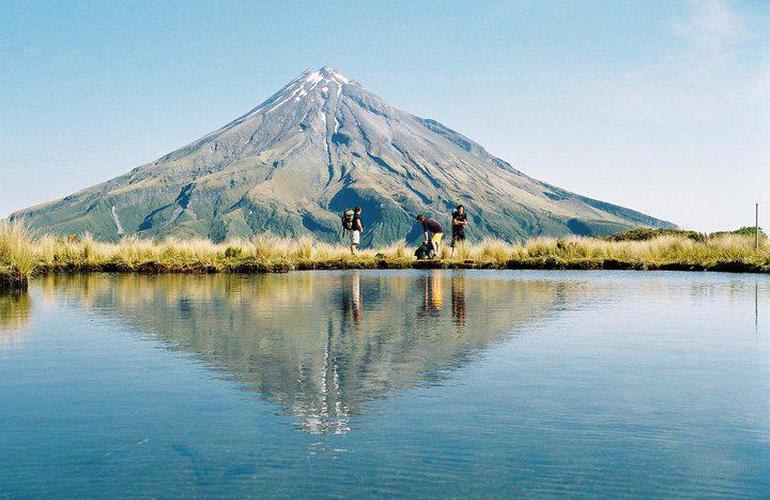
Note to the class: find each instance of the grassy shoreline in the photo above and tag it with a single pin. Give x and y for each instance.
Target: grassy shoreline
(23, 255)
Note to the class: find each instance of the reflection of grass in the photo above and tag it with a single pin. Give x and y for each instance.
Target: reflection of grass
(15, 309)
(21, 254)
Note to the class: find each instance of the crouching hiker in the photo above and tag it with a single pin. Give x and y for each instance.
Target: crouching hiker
(433, 232)
(351, 223)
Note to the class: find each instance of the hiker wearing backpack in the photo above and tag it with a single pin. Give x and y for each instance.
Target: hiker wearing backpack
(433, 232)
(351, 222)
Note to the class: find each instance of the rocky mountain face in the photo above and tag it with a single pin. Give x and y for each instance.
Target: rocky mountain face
(319, 145)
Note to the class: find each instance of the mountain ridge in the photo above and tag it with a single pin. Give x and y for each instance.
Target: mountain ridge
(318, 145)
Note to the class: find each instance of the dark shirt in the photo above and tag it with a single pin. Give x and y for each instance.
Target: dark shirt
(456, 216)
(431, 226)
(358, 225)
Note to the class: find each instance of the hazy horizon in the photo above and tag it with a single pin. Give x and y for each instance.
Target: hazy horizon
(664, 109)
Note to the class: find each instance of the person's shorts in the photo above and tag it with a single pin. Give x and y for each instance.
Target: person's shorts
(355, 237)
(457, 236)
(436, 238)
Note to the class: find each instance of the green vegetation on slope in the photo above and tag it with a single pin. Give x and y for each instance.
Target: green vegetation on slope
(650, 233)
(744, 231)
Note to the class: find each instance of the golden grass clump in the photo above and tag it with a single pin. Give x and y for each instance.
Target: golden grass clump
(268, 248)
(303, 248)
(133, 251)
(325, 252)
(541, 247)
(16, 248)
(397, 250)
(462, 251)
(492, 250)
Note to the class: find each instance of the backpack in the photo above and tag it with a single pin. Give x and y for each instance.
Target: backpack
(347, 219)
(424, 251)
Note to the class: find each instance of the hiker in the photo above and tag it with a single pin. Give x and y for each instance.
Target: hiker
(433, 232)
(358, 228)
(459, 221)
(351, 223)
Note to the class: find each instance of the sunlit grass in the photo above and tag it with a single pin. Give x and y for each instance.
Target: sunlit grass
(397, 250)
(23, 253)
(17, 253)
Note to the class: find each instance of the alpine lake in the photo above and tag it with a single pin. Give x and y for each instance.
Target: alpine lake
(415, 384)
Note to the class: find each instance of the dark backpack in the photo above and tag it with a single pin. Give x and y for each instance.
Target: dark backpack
(424, 251)
(347, 219)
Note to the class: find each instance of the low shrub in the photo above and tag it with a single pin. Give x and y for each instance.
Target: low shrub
(233, 252)
(649, 233)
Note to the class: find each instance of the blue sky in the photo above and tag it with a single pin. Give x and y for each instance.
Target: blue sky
(659, 106)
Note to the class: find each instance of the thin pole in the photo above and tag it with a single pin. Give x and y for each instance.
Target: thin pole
(756, 226)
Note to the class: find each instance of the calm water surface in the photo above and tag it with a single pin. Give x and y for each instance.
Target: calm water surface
(370, 384)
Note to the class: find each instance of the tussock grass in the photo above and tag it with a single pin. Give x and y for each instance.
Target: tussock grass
(490, 250)
(397, 250)
(462, 251)
(23, 254)
(18, 257)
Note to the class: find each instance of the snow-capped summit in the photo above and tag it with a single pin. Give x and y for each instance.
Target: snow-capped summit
(329, 74)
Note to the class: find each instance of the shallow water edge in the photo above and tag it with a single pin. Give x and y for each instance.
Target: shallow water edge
(11, 279)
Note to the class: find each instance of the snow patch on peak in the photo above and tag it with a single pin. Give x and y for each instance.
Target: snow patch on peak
(301, 94)
(323, 119)
(327, 74)
(338, 77)
(314, 78)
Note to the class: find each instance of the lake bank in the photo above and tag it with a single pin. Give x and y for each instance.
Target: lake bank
(10, 278)
(22, 255)
(248, 266)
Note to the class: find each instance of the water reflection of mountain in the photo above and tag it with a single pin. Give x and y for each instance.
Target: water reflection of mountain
(321, 345)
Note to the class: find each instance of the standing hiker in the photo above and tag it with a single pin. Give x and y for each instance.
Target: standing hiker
(459, 221)
(356, 230)
(433, 232)
(351, 223)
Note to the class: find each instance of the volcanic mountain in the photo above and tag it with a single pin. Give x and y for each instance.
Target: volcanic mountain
(319, 145)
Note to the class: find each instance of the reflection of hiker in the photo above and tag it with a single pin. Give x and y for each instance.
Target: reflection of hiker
(350, 301)
(351, 223)
(433, 232)
(458, 301)
(432, 294)
(355, 292)
(459, 221)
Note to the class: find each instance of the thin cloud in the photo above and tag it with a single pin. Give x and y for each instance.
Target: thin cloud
(712, 29)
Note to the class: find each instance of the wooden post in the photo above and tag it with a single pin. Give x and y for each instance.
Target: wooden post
(756, 226)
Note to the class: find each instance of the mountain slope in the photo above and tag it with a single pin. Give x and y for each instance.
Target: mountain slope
(319, 145)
